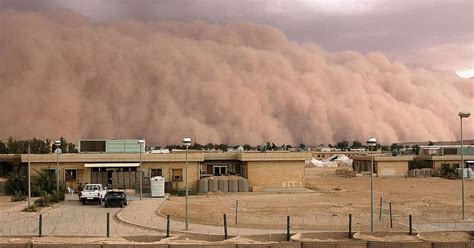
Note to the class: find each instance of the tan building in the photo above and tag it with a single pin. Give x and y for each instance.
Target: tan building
(270, 169)
(383, 165)
(436, 162)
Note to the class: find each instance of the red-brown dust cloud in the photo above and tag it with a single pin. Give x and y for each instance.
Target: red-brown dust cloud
(62, 75)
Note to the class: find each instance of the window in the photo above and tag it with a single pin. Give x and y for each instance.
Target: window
(70, 175)
(156, 172)
(177, 174)
(220, 170)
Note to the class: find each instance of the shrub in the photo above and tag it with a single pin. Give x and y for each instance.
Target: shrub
(58, 196)
(18, 196)
(32, 208)
(448, 171)
(182, 192)
(45, 180)
(43, 201)
(16, 182)
(37, 191)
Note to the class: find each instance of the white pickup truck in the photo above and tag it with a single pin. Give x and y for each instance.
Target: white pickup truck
(92, 192)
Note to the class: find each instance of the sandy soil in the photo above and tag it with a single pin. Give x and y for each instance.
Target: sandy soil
(445, 236)
(427, 199)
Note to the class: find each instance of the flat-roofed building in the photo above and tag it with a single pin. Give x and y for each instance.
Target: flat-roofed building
(270, 169)
(383, 165)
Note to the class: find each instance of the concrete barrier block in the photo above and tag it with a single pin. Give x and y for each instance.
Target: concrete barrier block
(450, 244)
(287, 245)
(416, 244)
(335, 244)
(383, 244)
(254, 246)
(203, 245)
(62, 245)
(15, 245)
(135, 245)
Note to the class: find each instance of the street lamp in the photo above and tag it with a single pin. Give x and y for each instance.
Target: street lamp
(461, 116)
(141, 143)
(57, 143)
(29, 175)
(186, 142)
(371, 142)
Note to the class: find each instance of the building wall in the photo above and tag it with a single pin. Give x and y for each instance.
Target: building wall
(275, 173)
(391, 168)
(167, 167)
(437, 164)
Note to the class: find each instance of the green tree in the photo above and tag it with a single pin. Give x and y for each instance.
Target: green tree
(302, 146)
(356, 144)
(247, 147)
(343, 145)
(223, 147)
(3, 148)
(416, 149)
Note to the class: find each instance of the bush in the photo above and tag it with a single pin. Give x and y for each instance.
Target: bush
(37, 191)
(45, 180)
(58, 196)
(448, 171)
(32, 208)
(43, 201)
(182, 192)
(16, 182)
(18, 196)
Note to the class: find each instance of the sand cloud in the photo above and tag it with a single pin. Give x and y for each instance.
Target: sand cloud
(62, 75)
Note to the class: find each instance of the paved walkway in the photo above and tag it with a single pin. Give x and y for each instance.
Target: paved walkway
(145, 214)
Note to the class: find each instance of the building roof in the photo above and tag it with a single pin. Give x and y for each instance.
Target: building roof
(383, 158)
(167, 157)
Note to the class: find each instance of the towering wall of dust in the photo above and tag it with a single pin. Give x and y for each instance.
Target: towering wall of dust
(61, 75)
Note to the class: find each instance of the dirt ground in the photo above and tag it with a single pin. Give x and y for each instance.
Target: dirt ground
(334, 198)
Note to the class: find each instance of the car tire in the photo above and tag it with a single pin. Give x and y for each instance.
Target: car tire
(83, 202)
(106, 204)
(121, 204)
(125, 202)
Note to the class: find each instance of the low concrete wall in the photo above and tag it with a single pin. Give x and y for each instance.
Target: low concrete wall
(409, 244)
(263, 241)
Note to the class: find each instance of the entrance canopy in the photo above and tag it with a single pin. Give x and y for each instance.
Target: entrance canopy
(111, 165)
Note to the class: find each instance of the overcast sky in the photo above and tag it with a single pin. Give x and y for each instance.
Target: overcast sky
(429, 33)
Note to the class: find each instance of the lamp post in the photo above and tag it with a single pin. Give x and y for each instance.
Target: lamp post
(57, 143)
(141, 143)
(186, 142)
(461, 116)
(29, 175)
(371, 142)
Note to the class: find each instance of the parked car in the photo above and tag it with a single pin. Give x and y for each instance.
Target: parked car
(115, 198)
(92, 192)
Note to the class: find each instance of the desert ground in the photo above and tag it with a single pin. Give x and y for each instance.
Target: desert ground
(434, 203)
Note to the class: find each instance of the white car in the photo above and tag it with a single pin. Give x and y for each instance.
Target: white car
(92, 192)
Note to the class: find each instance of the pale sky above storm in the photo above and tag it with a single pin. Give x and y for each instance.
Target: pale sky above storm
(236, 71)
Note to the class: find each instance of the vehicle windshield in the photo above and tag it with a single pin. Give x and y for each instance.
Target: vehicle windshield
(91, 187)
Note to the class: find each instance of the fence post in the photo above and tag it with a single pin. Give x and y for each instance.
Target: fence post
(236, 207)
(410, 222)
(350, 226)
(288, 235)
(225, 226)
(391, 217)
(108, 225)
(167, 225)
(40, 227)
(380, 209)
